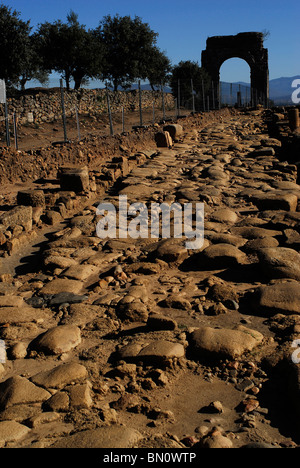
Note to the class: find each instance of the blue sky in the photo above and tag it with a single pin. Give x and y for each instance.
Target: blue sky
(184, 25)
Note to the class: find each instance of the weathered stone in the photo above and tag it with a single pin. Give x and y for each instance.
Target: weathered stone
(276, 201)
(61, 285)
(163, 140)
(102, 437)
(224, 215)
(79, 396)
(58, 340)
(20, 215)
(232, 343)
(74, 178)
(221, 256)
(280, 262)
(32, 198)
(81, 272)
(18, 390)
(171, 250)
(60, 376)
(19, 315)
(174, 130)
(280, 298)
(11, 431)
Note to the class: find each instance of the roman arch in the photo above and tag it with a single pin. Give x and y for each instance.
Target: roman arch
(246, 46)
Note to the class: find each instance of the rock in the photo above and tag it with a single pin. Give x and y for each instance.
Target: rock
(66, 297)
(160, 322)
(75, 179)
(224, 215)
(58, 340)
(223, 293)
(261, 243)
(32, 198)
(79, 396)
(280, 298)
(81, 272)
(18, 351)
(280, 262)
(102, 437)
(134, 311)
(216, 441)
(170, 250)
(174, 130)
(52, 217)
(176, 301)
(232, 343)
(58, 402)
(11, 431)
(60, 376)
(275, 200)
(157, 351)
(254, 232)
(62, 285)
(221, 256)
(18, 216)
(19, 315)
(18, 390)
(163, 140)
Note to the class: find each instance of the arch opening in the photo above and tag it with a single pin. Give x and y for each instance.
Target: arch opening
(235, 82)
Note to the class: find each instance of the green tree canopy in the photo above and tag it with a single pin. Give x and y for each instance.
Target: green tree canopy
(159, 68)
(70, 49)
(183, 75)
(128, 44)
(14, 41)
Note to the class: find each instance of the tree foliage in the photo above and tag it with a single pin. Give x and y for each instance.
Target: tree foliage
(69, 49)
(119, 51)
(186, 74)
(14, 42)
(128, 43)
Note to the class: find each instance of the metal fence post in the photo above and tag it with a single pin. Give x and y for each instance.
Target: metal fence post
(178, 100)
(203, 95)
(140, 104)
(6, 124)
(77, 122)
(163, 102)
(63, 110)
(15, 130)
(193, 95)
(109, 113)
(123, 120)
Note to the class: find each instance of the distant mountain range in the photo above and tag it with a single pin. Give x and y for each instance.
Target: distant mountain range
(280, 89)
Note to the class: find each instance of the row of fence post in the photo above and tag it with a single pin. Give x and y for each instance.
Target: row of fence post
(211, 99)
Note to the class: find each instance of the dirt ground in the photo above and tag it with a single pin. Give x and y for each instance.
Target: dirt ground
(33, 136)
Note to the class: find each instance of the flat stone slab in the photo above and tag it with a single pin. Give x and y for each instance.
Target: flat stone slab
(222, 342)
(221, 256)
(102, 437)
(160, 350)
(59, 285)
(280, 298)
(280, 262)
(12, 431)
(60, 376)
(18, 390)
(16, 315)
(58, 340)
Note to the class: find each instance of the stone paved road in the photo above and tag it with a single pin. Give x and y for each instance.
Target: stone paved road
(145, 343)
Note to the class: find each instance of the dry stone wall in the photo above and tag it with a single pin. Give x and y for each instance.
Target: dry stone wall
(44, 105)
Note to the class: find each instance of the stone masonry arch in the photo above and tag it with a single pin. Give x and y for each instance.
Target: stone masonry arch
(246, 46)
